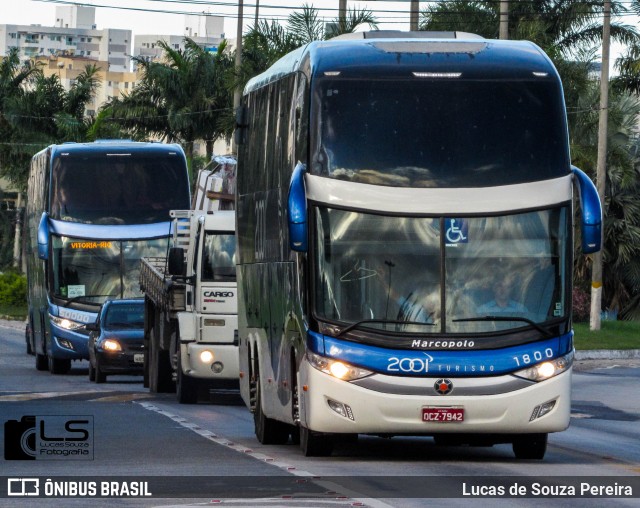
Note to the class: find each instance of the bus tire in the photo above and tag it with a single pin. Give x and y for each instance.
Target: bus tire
(314, 444)
(42, 362)
(268, 430)
(187, 388)
(58, 365)
(530, 446)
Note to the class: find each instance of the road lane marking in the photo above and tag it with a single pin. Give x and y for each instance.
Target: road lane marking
(42, 395)
(354, 498)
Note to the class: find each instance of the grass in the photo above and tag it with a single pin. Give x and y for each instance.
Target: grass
(612, 335)
(18, 312)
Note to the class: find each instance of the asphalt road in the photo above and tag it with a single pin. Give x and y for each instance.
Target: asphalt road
(209, 450)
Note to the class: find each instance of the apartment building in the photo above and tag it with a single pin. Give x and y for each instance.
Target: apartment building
(74, 34)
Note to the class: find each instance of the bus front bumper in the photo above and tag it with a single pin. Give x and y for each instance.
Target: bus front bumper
(68, 345)
(331, 405)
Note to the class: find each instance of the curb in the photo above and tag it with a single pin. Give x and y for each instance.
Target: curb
(608, 354)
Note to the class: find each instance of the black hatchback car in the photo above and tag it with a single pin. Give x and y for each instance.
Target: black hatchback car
(116, 340)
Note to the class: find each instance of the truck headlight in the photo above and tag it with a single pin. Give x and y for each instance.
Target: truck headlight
(336, 368)
(546, 370)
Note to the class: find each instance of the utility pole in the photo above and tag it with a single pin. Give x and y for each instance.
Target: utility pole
(237, 94)
(255, 24)
(504, 19)
(342, 11)
(601, 168)
(413, 17)
(17, 244)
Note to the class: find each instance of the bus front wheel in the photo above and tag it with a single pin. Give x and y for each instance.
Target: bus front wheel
(313, 444)
(530, 446)
(59, 366)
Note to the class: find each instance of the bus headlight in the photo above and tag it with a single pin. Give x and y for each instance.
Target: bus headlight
(336, 368)
(65, 323)
(546, 370)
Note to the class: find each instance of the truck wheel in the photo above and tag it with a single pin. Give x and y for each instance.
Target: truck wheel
(59, 366)
(186, 386)
(159, 369)
(530, 446)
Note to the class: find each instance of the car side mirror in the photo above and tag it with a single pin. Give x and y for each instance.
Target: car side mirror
(93, 327)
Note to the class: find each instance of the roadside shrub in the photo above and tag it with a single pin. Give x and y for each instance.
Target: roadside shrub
(13, 288)
(581, 305)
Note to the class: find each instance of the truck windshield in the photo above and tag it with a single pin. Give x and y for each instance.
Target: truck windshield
(90, 271)
(219, 257)
(118, 190)
(384, 271)
(438, 132)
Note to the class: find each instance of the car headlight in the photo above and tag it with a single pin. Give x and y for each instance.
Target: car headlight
(546, 370)
(111, 345)
(336, 368)
(65, 323)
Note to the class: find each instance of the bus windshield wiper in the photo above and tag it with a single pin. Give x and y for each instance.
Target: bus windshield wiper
(385, 321)
(541, 329)
(79, 297)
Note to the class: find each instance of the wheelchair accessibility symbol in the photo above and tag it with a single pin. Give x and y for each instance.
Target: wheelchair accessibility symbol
(456, 231)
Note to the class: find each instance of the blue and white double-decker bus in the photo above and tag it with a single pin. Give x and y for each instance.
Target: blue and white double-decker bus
(405, 236)
(93, 210)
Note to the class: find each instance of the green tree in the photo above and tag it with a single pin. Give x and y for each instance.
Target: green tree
(181, 100)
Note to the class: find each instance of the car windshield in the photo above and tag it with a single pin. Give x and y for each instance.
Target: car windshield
(122, 316)
(438, 133)
(441, 275)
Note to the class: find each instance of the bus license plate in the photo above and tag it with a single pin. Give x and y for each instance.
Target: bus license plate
(138, 358)
(443, 414)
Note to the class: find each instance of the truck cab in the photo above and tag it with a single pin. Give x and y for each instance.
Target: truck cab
(208, 325)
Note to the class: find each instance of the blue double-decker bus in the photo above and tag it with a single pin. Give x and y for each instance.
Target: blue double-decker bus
(93, 210)
(405, 237)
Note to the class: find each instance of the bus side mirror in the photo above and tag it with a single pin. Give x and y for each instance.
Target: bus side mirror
(43, 237)
(297, 210)
(242, 122)
(176, 261)
(591, 212)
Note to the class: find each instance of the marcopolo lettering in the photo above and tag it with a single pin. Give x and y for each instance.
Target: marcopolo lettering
(442, 344)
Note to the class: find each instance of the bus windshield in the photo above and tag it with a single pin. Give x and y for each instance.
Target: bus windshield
(438, 132)
(441, 275)
(91, 271)
(103, 189)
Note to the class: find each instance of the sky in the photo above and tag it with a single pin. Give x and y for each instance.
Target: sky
(43, 13)
(391, 15)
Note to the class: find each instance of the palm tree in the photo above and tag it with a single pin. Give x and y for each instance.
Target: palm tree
(559, 27)
(181, 100)
(13, 77)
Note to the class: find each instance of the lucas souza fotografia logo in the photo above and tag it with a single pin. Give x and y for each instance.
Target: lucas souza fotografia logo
(51, 437)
